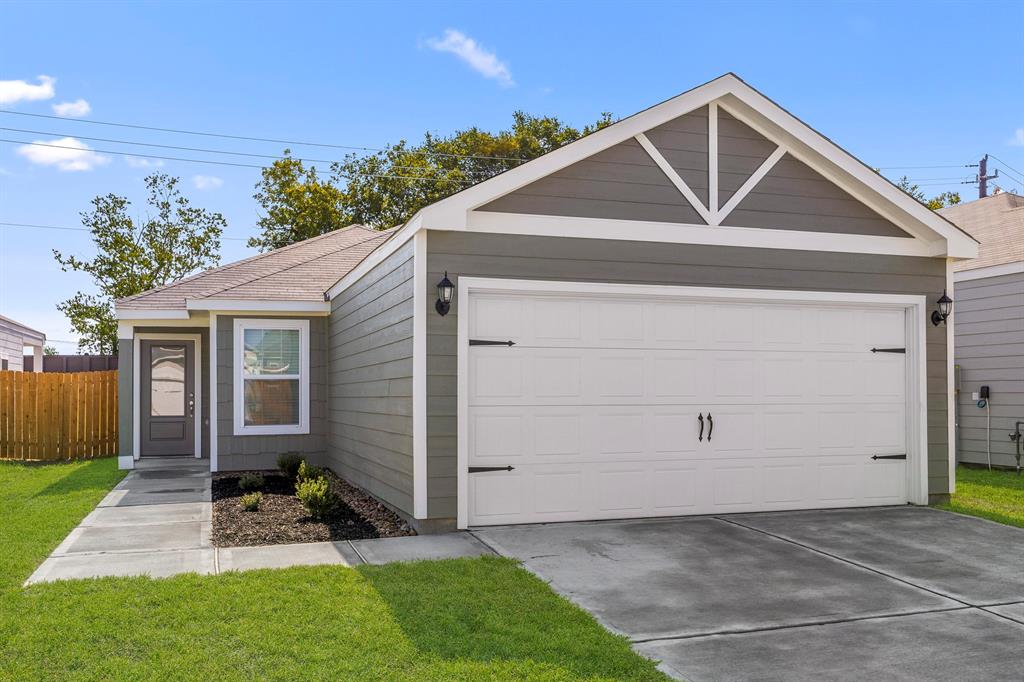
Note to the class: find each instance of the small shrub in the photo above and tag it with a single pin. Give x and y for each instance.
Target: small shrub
(316, 496)
(308, 471)
(251, 481)
(251, 501)
(289, 464)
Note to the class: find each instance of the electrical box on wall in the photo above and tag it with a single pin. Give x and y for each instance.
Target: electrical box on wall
(984, 392)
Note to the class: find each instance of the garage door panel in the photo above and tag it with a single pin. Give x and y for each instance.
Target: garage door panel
(596, 406)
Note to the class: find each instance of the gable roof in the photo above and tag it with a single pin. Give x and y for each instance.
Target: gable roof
(300, 272)
(939, 236)
(998, 223)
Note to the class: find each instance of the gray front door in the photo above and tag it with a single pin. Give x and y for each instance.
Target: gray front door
(168, 398)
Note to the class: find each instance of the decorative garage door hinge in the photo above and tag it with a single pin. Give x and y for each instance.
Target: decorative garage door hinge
(888, 350)
(484, 342)
(478, 470)
(888, 456)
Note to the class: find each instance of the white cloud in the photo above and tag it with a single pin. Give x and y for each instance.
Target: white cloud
(67, 154)
(205, 182)
(478, 58)
(72, 109)
(139, 162)
(17, 91)
(1018, 138)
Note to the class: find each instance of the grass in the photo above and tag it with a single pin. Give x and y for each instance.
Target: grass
(466, 619)
(997, 495)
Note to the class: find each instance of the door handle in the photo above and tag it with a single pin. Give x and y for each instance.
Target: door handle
(191, 404)
(711, 426)
(700, 418)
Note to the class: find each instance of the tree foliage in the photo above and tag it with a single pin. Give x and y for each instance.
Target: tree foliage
(133, 255)
(936, 202)
(386, 188)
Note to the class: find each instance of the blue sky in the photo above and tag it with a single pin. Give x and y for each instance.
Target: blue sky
(899, 85)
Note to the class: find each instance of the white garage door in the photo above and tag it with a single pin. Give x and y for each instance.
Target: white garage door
(612, 407)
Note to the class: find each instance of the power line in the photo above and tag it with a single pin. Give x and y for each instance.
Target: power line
(230, 163)
(80, 229)
(959, 165)
(254, 139)
(1006, 164)
(187, 149)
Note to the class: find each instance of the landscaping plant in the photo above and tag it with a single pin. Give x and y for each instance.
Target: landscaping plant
(251, 481)
(308, 471)
(251, 501)
(316, 495)
(289, 463)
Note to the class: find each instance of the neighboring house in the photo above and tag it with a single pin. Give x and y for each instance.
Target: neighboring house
(706, 307)
(14, 339)
(989, 325)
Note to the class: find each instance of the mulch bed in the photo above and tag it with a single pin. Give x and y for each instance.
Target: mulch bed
(281, 518)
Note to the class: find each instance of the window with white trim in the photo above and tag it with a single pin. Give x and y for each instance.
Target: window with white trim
(271, 360)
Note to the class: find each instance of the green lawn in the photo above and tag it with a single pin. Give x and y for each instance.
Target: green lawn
(450, 620)
(997, 495)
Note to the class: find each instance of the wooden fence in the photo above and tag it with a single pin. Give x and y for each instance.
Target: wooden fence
(57, 416)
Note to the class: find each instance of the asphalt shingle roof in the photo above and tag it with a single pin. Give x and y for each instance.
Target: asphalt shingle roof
(299, 272)
(997, 222)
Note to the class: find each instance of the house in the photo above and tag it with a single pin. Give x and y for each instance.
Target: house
(706, 307)
(14, 339)
(989, 328)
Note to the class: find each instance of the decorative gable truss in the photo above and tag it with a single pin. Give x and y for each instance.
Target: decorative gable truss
(718, 165)
(706, 167)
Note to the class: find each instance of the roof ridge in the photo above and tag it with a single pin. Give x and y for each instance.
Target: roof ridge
(255, 257)
(380, 233)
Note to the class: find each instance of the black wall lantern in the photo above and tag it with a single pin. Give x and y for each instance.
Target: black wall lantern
(445, 292)
(945, 308)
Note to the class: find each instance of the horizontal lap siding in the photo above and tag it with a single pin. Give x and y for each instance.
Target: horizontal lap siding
(988, 318)
(370, 359)
(592, 260)
(261, 452)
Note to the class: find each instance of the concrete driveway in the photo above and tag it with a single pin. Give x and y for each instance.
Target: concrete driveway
(893, 593)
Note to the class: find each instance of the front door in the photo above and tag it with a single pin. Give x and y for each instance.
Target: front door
(168, 399)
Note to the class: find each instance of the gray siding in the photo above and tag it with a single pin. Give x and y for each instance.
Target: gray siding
(793, 196)
(492, 255)
(619, 183)
(260, 452)
(125, 396)
(988, 318)
(370, 350)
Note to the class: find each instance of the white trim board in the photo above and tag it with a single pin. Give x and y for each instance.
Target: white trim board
(421, 301)
(989, 271)
(238, 386)
(915, 307)
(213, 393)
(137, 387)
(242, 305)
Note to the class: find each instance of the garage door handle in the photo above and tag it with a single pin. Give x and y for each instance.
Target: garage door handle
(711, 426)
(888, 456)
(477, 470)
(700, 418)
(485, 342)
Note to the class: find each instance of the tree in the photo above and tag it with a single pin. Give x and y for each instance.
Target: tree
(133, 255)
(296, 204)
(49, 350)
(386, 188)
(936, 202)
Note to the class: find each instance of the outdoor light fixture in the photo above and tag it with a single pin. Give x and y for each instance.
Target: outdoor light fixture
(445, 292)
(945, 308)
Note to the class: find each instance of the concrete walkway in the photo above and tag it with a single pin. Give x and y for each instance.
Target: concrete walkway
(157, 522)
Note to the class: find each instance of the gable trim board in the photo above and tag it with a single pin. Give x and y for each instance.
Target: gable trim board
(990, 271)
(916, 391)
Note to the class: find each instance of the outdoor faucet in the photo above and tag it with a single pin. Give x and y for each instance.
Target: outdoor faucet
(1018, 438)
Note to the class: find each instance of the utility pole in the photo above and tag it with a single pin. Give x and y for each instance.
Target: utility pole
(984, 177)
